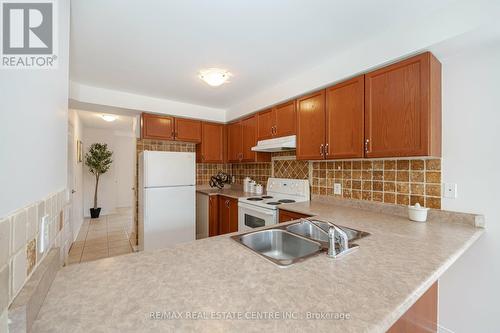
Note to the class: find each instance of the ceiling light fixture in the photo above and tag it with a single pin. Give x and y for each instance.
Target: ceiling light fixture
(109, 117)
(214, 76)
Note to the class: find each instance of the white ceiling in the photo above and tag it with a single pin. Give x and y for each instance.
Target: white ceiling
(155, 48)
(91, 119)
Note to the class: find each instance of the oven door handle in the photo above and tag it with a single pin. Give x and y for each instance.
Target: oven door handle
(252, 208)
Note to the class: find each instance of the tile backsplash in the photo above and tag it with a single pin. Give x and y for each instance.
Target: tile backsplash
(205, 171)
(20, 236)
(288, 168)
(396, 181)
(159, 145)
(259, 172)
(392, 181)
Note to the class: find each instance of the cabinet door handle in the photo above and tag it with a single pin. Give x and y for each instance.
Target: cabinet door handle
(321, 150)
(227, 203)
(326, 150)
(367, 145)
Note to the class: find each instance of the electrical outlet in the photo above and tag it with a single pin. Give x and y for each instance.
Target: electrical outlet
(450, 190)
(44, 233)
(337, 188)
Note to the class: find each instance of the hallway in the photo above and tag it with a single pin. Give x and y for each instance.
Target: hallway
(101, 238)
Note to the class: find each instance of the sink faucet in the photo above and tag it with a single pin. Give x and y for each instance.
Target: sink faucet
(343, 240)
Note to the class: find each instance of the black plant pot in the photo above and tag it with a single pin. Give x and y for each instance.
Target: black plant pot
(94, 212)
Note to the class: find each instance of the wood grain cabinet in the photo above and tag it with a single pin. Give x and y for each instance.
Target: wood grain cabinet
(277, 122)
(403, 109)
(287, 216)
(211, 148)
(187, 130)
(228, 215)
(344, 119)
(234, 142)
(311, 119)
(422, 316)
(330, 122)
(169, 128)
(157, 127)
(241, 137)
(213, 215)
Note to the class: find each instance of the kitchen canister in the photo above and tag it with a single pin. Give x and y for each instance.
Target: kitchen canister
(246, 184)
(259, 189)
(417, 213)
(251, 186)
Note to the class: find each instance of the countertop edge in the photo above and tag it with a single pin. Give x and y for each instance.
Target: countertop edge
(408, 303)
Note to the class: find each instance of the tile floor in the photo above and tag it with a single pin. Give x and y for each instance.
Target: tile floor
(101, 238)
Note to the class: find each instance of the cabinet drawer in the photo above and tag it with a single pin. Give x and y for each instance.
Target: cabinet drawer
(287, 216)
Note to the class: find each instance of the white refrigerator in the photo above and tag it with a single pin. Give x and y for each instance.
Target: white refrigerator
(166, 199)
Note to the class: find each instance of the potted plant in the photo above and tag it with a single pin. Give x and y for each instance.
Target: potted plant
(98, 160)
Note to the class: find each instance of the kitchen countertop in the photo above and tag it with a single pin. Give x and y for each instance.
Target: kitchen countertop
(374, 286)
(235, 192)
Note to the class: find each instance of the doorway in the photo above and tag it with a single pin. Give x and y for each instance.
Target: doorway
(109, 235)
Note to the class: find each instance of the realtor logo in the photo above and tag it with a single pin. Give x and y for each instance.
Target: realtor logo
(28, 34)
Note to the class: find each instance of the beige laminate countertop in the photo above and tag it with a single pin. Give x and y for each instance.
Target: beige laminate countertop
(234, 192)
(374, 285)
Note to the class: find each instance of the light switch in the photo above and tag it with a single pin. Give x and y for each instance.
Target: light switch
(450, 190)
(337, 188)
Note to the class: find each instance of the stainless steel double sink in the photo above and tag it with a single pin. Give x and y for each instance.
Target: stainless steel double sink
(292, 243)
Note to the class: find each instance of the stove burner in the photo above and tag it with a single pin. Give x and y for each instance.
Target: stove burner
(286, 201)
(267, 197)
(274, 203)
(255, 199)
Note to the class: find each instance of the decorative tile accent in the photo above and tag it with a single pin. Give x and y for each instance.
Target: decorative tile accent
(61, 220)
(31, 256)
(399, 182)
(291, 169)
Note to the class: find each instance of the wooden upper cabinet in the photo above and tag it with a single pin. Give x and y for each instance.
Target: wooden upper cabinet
(187, 130)
(344, 119)
(403, 109)
(157, 127)
(234, 142)
(311, 126)
(286, 119)
(276, 122)
(211, 149)
(169, 128)
(265, 122)
(249, 138)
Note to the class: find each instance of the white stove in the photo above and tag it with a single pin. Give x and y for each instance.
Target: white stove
(261, 210)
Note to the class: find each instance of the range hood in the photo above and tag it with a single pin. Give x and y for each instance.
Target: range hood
(278, 144)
